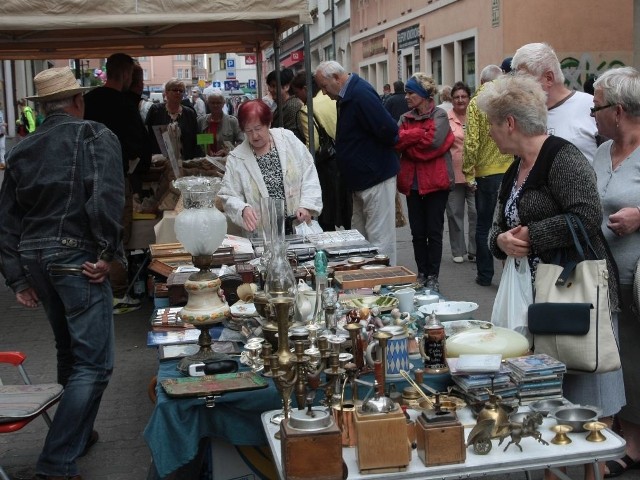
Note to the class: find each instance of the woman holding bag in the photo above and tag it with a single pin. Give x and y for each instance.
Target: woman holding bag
(549, 179)
(616, 108)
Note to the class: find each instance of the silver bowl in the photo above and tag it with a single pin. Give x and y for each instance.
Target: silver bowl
(446, 311)
(576, 416)
(545, 406)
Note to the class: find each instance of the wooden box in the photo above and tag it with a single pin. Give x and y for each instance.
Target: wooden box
(313, 455)
(440, 443)
(370, 278)
(383, 445)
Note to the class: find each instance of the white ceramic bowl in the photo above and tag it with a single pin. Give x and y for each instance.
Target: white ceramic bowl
(450, 310)
(426, 299)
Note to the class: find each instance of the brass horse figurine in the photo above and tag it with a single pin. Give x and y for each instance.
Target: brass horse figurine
(517, 431)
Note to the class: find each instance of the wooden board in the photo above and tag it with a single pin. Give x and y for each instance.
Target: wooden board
(371, 278)
(213, 384)
(167, 250)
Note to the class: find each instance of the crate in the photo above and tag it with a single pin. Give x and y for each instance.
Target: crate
(370, 278)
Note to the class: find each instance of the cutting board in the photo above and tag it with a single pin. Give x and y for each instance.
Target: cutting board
(213, 384)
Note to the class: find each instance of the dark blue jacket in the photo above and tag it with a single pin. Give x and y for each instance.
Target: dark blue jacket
(365, 136)
(63, 188)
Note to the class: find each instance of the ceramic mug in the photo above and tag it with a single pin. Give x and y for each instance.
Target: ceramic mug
(405, 299)
(397, 352)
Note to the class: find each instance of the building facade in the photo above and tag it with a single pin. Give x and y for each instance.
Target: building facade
(454, 39)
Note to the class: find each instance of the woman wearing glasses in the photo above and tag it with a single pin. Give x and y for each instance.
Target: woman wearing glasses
(270, 162)
(461, 195)
(616, 108)
(548, 179)
(181, 121)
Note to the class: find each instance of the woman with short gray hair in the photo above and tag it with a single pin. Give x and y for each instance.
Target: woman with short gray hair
(548, 179)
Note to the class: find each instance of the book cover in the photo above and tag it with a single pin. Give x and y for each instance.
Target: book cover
(155, 338)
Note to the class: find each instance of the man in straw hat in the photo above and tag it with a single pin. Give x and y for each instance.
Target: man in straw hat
(61, 204)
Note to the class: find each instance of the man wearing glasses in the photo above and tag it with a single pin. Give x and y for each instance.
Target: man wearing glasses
(568, 110)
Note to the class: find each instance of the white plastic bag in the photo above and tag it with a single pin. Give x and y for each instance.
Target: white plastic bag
(514, 296)
(310, 228)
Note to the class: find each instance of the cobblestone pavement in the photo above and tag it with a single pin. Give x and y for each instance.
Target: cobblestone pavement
(121, 453)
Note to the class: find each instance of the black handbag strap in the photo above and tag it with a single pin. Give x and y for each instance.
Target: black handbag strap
(322, 133)
(591, 253)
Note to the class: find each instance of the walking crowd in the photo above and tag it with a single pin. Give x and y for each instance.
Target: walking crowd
(513, 157)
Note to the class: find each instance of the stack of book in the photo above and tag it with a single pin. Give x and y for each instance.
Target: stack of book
(476, 376)
(537, 377)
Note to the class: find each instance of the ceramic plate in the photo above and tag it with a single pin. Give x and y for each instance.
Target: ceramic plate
(243, 310)
(356, 260)
(385, 303)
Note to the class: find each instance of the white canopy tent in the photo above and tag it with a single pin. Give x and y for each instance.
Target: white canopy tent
(48, 29)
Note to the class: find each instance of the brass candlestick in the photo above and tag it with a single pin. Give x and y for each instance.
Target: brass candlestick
(354, 330)
(595, 434)
(382, 338)
(561, 437)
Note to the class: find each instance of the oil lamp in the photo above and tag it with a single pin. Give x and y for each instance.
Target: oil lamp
(201, 228)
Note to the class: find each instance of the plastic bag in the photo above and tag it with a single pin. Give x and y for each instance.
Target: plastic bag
(514, 296)
(310, 228)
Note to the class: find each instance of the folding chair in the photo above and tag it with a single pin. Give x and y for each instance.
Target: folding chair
(19, 404)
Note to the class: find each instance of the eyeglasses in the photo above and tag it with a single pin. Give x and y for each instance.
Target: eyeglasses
(601, 107)
(257, 129)
(178, 90)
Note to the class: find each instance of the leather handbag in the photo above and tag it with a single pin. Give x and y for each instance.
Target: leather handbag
(558, 317)
(326, 146)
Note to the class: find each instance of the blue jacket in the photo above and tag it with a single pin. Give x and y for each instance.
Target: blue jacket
(63, 188)
(365, 137)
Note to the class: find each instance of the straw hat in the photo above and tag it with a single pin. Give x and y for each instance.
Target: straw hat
(55, 84)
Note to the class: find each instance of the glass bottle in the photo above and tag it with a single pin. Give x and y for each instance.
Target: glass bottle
(320, 264)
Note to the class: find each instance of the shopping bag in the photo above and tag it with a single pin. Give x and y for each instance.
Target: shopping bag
(514, 296)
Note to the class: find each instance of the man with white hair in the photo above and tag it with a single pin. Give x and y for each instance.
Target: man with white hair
(365, 138)
(56, 248)
(483, 166)
(569, 114)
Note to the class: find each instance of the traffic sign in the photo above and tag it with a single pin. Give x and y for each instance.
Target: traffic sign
(251, 83)
(217, 84)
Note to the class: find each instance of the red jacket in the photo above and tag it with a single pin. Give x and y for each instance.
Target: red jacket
(424, 147)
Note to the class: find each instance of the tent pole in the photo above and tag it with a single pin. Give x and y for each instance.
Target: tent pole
(309, 75)
(276, 55)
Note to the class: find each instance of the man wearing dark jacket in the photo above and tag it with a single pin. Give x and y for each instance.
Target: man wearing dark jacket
(365, 139)
(396, 104)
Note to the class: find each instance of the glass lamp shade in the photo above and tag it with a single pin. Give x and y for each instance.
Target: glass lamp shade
(200, 227)
(280, 283)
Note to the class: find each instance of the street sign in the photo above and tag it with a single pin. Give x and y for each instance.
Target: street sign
(231, 63)
(231, 85)
(250, 59)
(217, 84)
(251, 83)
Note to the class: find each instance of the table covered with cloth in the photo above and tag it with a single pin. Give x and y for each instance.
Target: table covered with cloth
(177, 425)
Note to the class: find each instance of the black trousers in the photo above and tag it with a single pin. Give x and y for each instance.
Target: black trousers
(426, 219)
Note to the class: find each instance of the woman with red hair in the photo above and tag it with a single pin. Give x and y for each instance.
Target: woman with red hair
(270, 162)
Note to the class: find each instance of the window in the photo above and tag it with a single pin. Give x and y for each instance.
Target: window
(145, 74)
(436, 64)
(469, 63)
(328, 53)
(187, 73)
(179, 74)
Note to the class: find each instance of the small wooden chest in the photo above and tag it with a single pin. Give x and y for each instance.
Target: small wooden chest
(383, 444)
(440, 443)
(315, 455)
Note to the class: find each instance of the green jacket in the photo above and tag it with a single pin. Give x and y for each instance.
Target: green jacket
(480, 156)
(31, 118)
